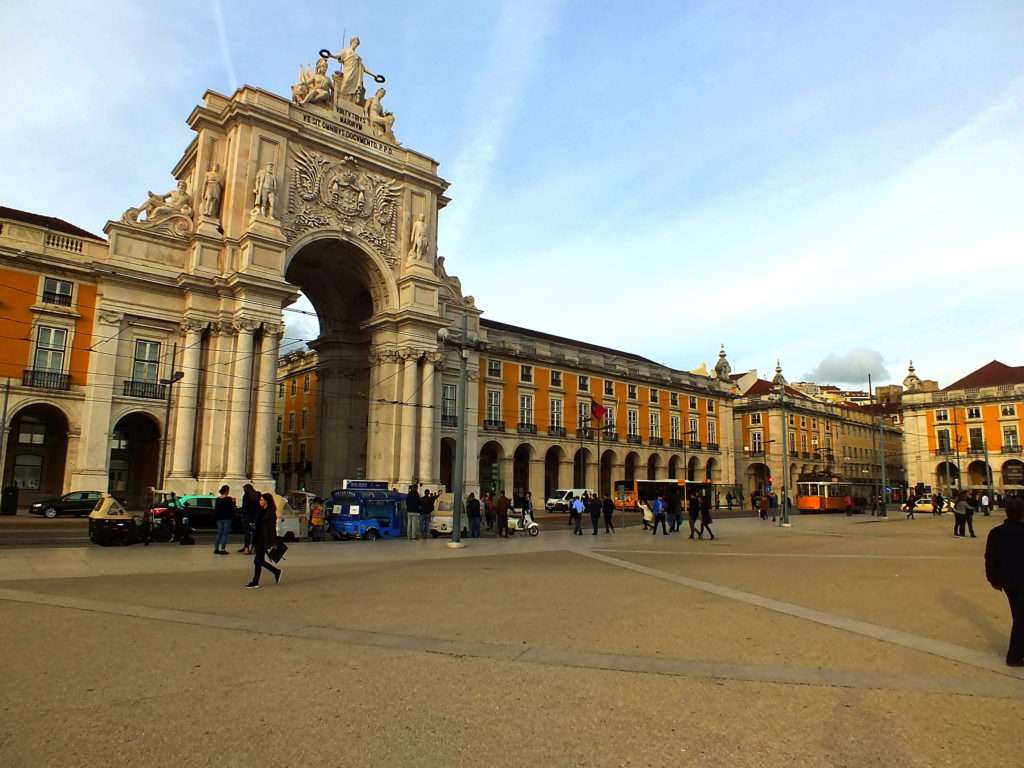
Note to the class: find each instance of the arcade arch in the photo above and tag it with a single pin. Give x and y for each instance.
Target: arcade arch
(554, 457)
(608, 463)
(692, 468)
(491, 455)
(36, 455)
(653, 465)
(521, 471)
(947, 476)
(580, 461)
(757, 477)
(447, 472)
(134, 460)
(673, 467)
(629, 466)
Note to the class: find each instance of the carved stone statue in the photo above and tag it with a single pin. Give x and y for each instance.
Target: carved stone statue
(313, 86)
(381, 123)
(417, 240)
(722, 367)
(348, 84)
(171, 212)
(265, 192)
(213, 185)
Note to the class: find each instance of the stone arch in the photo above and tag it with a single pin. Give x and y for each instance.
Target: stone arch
(978, 473)
(491, 456)
(711, 471)
(136, 444)
(693, 468)
(609, 460)
(580, 462)
(554, 457)
(947, 476)
(36, 457)
(757, 478)
(653, 465)
(1012, 474)
(674, 466)
(521, 458)
(629, 466)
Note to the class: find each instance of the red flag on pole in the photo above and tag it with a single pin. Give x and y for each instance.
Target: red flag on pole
(597, 411)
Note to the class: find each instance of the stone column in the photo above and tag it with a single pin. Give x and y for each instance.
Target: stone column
(407, 414)
(94, 445)
(505, 475)
(535, 481)
(241, 396)
(188, 396)
(471, 450)
(428, 466)
(265, 411)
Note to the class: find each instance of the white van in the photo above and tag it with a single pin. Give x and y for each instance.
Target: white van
(559, 500)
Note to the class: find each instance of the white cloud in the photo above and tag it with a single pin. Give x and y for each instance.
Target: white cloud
(850, 367)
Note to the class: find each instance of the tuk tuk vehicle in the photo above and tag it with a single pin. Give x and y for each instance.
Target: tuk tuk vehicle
(292, 523)
(442, 521)
(310, 505)
(164, 509)
(367, 514)
(110, 522)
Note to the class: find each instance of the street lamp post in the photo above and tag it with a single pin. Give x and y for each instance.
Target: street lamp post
(169, 383)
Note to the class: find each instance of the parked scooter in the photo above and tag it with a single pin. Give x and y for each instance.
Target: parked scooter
(523, 522)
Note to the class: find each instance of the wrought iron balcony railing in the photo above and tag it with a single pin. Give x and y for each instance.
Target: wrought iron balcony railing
(525, 428)
(46, 379)
(151, 390)
(695, 445)
(712, 446)
(494, 425)
(61, 299)
(634, 439)
(675, 443)
(449, 420)
(655, 441)
(554, 431)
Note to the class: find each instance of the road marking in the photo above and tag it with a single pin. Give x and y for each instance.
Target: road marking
(989, 661)
(829, 555)
(559, 657)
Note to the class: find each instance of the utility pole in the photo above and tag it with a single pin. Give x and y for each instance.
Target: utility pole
(459, 481)
(3, 426)
(883, 511)
(988, 469)
(784, 517)
(956, 442)
(176, 376)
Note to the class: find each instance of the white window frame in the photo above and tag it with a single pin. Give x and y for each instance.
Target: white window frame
(609, 388)
(1008, 409)
(493, 405)
(37, 347)
(632, 392)
(942, 415)
(755, 418)
(1012, 431)
(693, 402)
(633, 422)
(582, 413)
(673, 399)
(526, 374)
(693, 433)
(711, 406)
(491, 364)
(153, 362)
(674, 428)
(449, 400)
(609, 417)
(557, 411)
(556, 375)
(973, 412)
(757, 441)
(57, 285)
(583, 383)
(654, 423)
(525, 408)
(652, 395)
(712, 431)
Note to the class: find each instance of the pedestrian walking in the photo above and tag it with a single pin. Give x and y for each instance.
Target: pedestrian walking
(594, 507)
(250, 511)
(705, 518)
(909, 507)
(693, 511)
(675, 512)
(986, 505)
(576, 507)
(264, 537)
(773, 504)
(224, 509)
(501, 507)
(473, 513)
(317, 520)
(660, 510)
(728, 500)
(608, 507)
(489, 510)
(763, 504)
(969, 515)
(426, 510)
(959, 514)
(1004, 569)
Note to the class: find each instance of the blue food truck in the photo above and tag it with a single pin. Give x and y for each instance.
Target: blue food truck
(365, 509)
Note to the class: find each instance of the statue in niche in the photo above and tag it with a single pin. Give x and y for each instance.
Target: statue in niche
(171, 211)
(381, 123)
(348, 84)
(213, 186)
(417, 238)
(265, 192)
(314, 86)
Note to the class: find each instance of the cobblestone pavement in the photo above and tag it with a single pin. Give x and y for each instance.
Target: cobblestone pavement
(837, 642)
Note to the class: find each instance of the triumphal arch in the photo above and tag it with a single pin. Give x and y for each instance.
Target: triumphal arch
(275, 195)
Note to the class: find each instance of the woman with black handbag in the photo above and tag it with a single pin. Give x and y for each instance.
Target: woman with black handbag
(264, 537)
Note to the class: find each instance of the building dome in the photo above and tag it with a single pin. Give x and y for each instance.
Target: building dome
(778, 378)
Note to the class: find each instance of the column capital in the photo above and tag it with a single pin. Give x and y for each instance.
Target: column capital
(192, 324)
(410, 353)
(110, 316)
(273, 329)
(246, 325)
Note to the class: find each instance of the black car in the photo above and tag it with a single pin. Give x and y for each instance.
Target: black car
(75, 503)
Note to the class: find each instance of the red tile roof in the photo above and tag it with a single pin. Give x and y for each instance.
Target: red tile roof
(762, 387)
(993, 374)
(49, 222)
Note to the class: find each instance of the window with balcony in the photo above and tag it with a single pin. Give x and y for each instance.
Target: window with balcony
(584, 383)
(941, 414)
(674, 430)
(526, 374)
(293, 386)
(803, 442)
(526, 413)
(493, 406)
(654, 431)
(974, 412)
(146, 365)
(291, 421)
(756, 442)
(609, 388)
(583, 416)
(693, 431)
(631, 391)
(942, 440)
(57, 291)
(556, 378)
(792, 444)
(712, 433)
(305, 383)
(633, 422)
(449, 404)
(494, 369)
(673, 399)
(976, 440)
(47, 371)
(556, 423)
(654, 395)
(609, 418)
(755, 418)
(1008, 409)
(1011, 442)
(711, 406)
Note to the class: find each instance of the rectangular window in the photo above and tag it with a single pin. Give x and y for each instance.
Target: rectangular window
(28, 472)
(655, 424)
(792, 442)
(942, 439)
(977, 440)
(693, 435)
(803, 442)
(674, 427)
(32, 431)
(291, 421)
(711, 406)
(146, 365)
(293, 388)
(493, 405)
(609, 388)
(828, 426)
(814, 441)
(803, 421)
(973, 412)
(526, 409)
(582, 414)
(941, 414)
(633, 422)
(814, 423)
(631, 391)
(1010, 439)
(755, 418)
(756, 442)
(280, 390)
(673, 399)
(305, 383)
(556, 378)
(712, 432)
(305, 418)
(556, 412)
(50, 343)
(280, 423)
(584, 382)
(609, 418)
(792, 420)
(494, 369)
(526, 374)
(57, 292)
(1009, 409)
(448, 401)
(288, 453)
(654, 395)
(693, 403)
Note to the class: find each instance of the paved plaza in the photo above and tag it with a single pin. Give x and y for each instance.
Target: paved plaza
(838, 642)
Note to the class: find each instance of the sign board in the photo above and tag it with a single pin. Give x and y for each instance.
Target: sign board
(1013, 473)
(364, 485)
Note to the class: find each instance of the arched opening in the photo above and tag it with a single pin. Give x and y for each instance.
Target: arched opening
(521, 472)
(447, 463)
(1012, 474)
(629, 466)
(947, 476)
(37, 453)
(491, 455)
(134, 458)
(673, 468)
(579, 468)
(711, 470)
(607, 467)
(653, 465)
(341, 281)
(977, 474)
(757, 478)
(693, 468)
(552, 462)
(794, 474)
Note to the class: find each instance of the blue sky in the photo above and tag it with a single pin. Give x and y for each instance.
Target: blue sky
(840, 185)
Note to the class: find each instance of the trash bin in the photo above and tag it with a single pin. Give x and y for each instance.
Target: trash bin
(412, 525)
(9, 500)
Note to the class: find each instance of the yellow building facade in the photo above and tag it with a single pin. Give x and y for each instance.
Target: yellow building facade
(296, 423)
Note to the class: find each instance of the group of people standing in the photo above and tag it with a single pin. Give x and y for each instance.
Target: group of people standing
(596, 507)
(259, 527)
(669, 513)
(422, 506)
(964, 504)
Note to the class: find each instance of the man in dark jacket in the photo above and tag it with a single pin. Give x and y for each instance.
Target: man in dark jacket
(675, 512)
(501, 508)
(473, 513)
(594, 508)
(1004, 569)
(608, 507)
